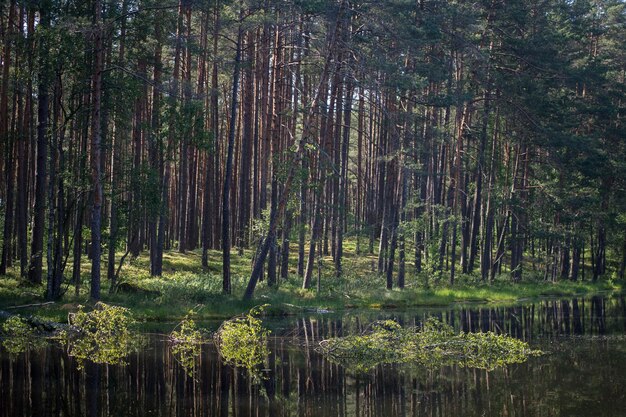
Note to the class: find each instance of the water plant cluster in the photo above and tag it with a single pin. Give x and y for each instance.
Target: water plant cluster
(186, 342)
(242, 340)
(434, 345)
(101, 335)
(20, 335)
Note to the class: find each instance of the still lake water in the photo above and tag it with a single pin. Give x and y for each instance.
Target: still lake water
(583, 372)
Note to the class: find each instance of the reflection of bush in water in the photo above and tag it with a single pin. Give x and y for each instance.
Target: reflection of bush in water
(435, 345)
(20, 336)
(242, 340)
(101, 335)
(186, 343)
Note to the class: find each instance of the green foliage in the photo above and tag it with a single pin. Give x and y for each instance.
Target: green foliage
(242, 340)
(435, 345)
(19, 336)
(186, 343)
(101, 335)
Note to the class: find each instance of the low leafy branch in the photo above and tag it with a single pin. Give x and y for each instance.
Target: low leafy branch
(435, 345)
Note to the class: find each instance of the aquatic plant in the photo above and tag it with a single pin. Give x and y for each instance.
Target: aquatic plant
(242, 340)
(20, 336)
(101, 335)
(186, 343)
(434, 345)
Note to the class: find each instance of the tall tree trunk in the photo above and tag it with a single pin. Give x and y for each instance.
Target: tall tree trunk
(55, 201)
(246, 143)
(518, 215)
(226, 281)
(96, 170)
(8, 219)
(343, 177)
(486, 256)
(209, 221)
(22, 173)
(137, 207)
(156, 152)
(36, 256)
(4, 134)
(22, 152)
(476, 210)
(115, 165)
(303, 217)
(185, 146)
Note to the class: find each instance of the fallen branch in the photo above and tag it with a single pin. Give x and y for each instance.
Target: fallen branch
(31, 305)
(45, 325)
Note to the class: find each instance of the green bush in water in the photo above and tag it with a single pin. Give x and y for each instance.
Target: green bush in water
(20, 336)
(186, 343)
(242, 340)
(435, 345)
(101, 335)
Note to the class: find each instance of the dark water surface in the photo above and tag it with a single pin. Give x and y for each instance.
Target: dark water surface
(582, 374)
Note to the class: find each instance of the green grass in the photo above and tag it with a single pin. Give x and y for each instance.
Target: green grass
(185, 286)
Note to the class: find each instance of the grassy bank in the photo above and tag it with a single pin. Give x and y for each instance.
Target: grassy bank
(185, 286)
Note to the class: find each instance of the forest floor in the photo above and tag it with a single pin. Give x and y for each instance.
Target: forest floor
(185, 286)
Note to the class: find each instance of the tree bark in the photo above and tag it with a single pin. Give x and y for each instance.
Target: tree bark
(228, 172)
(96, 169)
(36, 256)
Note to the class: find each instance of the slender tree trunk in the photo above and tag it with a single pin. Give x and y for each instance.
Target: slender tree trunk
(4, 134)
(284, 253)
(343, 178)
(209, 221)
(22, 153)
(185, 147)
(22, 176)
(138, 198)
(156, 150)
(359, 169)
(36, 257)
(96, 170)
(476, 210)
(392, 247)
(226, 281)
(315, 235)
(115, 166)
(486, 256)
(56, 200)
(246, 143)
(622, 266)
(8, 219)
(518, 215)
(273, 250)
(575, 261)
(302, 217)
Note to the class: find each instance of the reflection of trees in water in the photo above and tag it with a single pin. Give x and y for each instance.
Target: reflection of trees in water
(301, 383)
(546, 318)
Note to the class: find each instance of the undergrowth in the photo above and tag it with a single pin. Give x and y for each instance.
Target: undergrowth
(185, 284)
